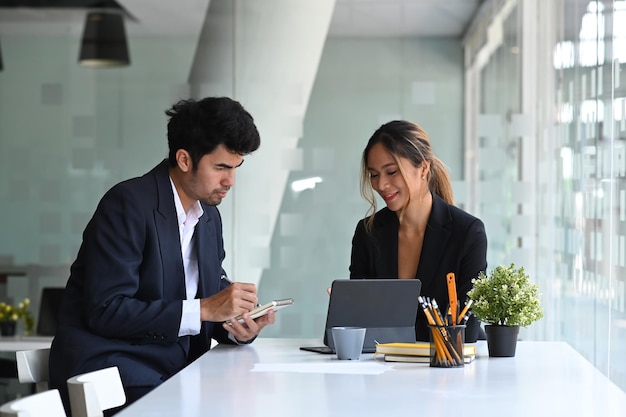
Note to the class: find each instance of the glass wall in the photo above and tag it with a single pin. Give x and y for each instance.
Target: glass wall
(68, 133)
(360, 84)
(557, 205)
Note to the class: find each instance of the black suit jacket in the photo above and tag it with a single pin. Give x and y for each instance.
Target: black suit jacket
(123, 301)
(455, 241)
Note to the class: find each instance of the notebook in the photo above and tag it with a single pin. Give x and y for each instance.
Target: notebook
(385, 307)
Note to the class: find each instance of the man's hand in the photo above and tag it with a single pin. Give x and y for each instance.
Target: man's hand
(236, 299)
(249, 329)
(239, 298)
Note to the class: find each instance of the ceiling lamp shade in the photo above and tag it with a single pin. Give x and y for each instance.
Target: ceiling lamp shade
(104, 40)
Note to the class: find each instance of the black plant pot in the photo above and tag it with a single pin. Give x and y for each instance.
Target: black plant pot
(7, 328)
(501, 340)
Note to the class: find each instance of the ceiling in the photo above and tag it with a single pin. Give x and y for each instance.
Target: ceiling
(354, 18)
(373, 18)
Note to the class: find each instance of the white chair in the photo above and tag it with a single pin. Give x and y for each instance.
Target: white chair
(41, 404)
(94, 392)
(32, 367)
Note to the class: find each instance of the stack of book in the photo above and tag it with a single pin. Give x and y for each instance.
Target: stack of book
(416, 352)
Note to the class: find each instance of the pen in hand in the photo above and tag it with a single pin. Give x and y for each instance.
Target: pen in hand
(226, 280)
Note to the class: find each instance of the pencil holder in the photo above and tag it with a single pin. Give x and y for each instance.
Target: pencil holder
(446, 346)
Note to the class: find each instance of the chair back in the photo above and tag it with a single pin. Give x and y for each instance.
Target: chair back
(49, 306)
(94, 392)
(32, 367)
(41, 404)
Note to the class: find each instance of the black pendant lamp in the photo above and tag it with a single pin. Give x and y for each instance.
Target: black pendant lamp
(104, 41)
(1, 65)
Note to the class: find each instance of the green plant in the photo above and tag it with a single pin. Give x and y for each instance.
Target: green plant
(10, 312)
(505, 297)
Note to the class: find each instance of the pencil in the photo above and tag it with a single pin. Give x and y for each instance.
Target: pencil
(465, 309)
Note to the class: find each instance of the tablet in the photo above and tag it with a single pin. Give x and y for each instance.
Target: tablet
(386, 307)
(265, 308)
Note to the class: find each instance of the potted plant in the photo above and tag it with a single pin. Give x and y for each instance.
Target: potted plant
(505, 300)
(10, 315)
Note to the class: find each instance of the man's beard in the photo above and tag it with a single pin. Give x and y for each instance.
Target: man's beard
(213, 199)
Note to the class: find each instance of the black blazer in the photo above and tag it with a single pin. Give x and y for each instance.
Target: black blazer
(455, 241)
(123, 301)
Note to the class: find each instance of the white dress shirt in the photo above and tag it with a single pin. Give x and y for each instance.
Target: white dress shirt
(190, 321)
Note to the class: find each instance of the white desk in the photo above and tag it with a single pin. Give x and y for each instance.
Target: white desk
(544, 379)
(15, 343)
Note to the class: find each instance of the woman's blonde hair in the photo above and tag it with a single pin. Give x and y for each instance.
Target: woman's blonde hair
(404, 139)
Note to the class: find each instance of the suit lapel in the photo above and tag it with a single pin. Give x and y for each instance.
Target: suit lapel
(205, 238)
(169, 235)
(435, 240)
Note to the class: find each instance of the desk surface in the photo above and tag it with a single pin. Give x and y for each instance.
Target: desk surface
(272, 377)
(15, 343)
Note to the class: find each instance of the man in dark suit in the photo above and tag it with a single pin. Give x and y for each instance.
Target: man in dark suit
(147, 292)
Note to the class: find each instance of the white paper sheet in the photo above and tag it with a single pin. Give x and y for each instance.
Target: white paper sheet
(334, 367)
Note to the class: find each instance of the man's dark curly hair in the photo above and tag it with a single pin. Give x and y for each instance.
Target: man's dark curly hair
(200, 126)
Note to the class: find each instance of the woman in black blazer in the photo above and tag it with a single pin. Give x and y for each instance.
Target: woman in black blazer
(420, 234)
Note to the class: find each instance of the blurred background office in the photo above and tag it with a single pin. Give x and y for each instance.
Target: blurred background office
(524, 101)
